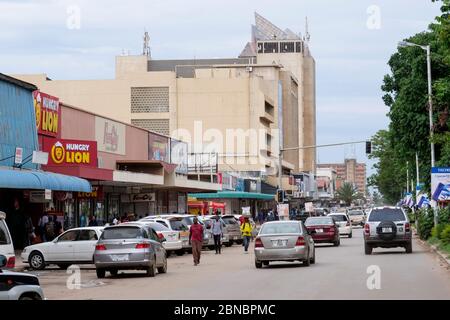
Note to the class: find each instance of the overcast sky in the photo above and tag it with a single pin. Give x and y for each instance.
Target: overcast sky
(351, 41)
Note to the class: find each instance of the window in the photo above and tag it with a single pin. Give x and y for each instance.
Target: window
(339, 217)
(162, 223)
(123, 233)
(69, 236)
(178, 225)
(281, 228)
(318, 221)
(159, 226)
(230, 220)
(87, 235)
(4, 234)
(387, 214)
(153, 235)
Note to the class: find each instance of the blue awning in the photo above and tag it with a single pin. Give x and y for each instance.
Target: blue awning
(33, 179)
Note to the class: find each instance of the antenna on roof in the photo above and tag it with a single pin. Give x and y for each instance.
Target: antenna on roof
(146, 49)
(307, 36)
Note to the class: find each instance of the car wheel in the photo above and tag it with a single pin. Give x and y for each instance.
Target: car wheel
(350, 235)
(163, 269)
(114, 272)
(367, 248)
(30, 297)
(266, 263)
(151, 270)
(100, 273)
(63, 266)
(36, 261)
(180, 252)
(408, 247)
(258, 264)
(307, 262)
(229, 244)
(337, 243)
(313, 259)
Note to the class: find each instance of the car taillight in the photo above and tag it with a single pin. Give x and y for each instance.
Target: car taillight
(142, 245)
(100, 247)
(11, 262)
(367, 228)
(300, 242)
(160, 235)
(347, 224)
(258, 243)
(407, 227)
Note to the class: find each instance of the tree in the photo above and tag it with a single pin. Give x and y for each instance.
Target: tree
(348, 193)
(406, 93)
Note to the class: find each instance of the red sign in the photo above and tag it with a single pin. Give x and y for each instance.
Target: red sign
(70, 152)
(48, 114)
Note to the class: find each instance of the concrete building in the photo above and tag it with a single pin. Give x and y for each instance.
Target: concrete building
(349, 171)
(233, 107)
(326, 179)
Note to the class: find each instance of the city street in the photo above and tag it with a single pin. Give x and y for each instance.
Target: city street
(339, 273)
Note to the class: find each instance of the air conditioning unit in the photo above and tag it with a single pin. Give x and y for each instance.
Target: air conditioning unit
(297, 194)
(249, 69)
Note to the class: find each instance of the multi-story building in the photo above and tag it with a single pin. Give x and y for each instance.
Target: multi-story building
(349, 171)
(234, 107)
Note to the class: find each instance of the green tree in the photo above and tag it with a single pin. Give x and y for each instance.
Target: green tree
(406, 95)
(348, 193)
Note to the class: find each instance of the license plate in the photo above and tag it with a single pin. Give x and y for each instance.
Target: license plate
(279, 243)
(235, 238)
(387, 230)
(319, 230)
(121, 257)
(184, 234)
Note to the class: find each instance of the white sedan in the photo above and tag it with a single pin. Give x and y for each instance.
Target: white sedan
(75, 246)
(173, 241)
(343, 222)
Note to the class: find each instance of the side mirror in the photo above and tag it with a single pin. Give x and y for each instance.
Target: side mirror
(3, 261)
(163, 240)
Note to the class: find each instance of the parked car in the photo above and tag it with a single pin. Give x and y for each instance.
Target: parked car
(387, 227)
(207, 220)
(18, 285)
(6, 244)
(174, 224)
(189, 221)
(130, 246)
(75, 246)
(233, 228)
(284, 241)
(357, 217)
(173, 242)
(323, 230)
(343, 222)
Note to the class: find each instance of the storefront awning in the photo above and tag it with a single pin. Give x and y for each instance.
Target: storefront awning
(33, 179)
(233, 195)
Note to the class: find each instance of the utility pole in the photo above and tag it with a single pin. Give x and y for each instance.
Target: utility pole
(407, 176)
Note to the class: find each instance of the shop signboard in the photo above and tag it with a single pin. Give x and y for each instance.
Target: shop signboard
(283, 211)
(18, 157)
(110, 136)
(179, 155)
(97, 193)
(48, 114)
(63, 152)
(139, 197)
(440, 184)
(158, 147)
(48, 194)
(38, 196)
(309, 207)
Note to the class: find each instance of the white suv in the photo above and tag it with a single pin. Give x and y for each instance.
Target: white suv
(387, 227)
(6, 245)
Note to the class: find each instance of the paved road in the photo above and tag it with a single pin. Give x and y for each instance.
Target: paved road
(339, 273)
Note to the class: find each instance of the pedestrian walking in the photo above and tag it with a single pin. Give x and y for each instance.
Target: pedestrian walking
(217, 231)
(246, 229)
(196, 240)
(50, 229)
(30, 235)
(41, 227)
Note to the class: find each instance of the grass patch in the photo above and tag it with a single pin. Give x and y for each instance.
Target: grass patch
(445, 248)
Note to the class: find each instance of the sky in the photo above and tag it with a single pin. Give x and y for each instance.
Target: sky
(351, 41)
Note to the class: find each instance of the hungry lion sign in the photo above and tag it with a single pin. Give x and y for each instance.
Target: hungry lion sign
(48, 114)
(71, 152)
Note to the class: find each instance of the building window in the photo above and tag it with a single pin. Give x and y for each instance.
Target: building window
(149, 99)
(160, 126)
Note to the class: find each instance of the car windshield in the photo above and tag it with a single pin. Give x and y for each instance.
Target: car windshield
(280, 228)
(122, 233)
(190, 220)
(4, 235)
(318, 221)
(178, 225)
(230, 220)
(388, 214)
(355, 213)
(339, 217)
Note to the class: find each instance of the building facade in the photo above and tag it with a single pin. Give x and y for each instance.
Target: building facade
(350, 171)
(237, 107)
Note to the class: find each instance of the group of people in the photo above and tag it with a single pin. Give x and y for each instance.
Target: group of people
(196, 236)
(267, 215)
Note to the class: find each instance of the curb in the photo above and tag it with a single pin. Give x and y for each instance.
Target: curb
(435, 250)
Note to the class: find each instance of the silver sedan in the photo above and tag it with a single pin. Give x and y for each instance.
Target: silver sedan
(284, 241)
(130, 246)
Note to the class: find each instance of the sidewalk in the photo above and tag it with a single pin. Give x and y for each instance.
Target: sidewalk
(434, 249)
(20, 266)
